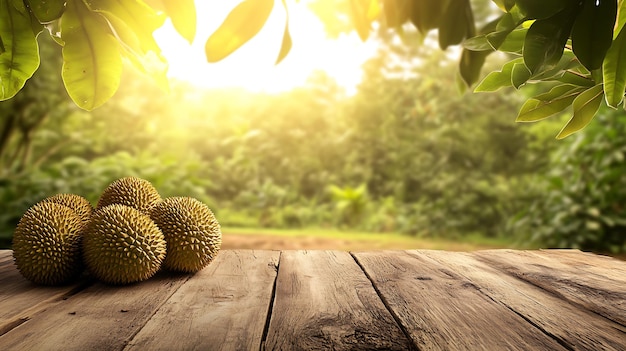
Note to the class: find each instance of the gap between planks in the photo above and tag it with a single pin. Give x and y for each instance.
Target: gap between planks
(382, 298)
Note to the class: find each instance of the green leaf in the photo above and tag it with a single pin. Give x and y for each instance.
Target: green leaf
(570, 77)
(540, 9)
(546, 39)
(585, 107)
(470, 65)
(519, 75)
(505, 5)
(514, 42)
(480, 42)
(2, 49)
(507, 23)
(183, 16)
(133, 21)
(592, 33)
(285, 46)
(454, 23)
(621, 18)
(498, 79)
(548, 104)
(477, 43)
(19, 58)
(47, 10)
(241, 24)
(396, 12)
(614, 71)
(427, 14)
(363, 13)
(91, 59)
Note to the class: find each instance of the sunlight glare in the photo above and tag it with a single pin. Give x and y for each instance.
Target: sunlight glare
(252, 66)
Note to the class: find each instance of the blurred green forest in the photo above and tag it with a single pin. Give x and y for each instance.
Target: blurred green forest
(407, 154)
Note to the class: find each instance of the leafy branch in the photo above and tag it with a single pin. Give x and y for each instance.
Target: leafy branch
(575, 51)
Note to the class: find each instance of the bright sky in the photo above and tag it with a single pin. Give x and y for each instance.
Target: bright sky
(252, 66)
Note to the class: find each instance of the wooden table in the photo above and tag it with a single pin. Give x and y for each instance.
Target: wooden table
(333, 300)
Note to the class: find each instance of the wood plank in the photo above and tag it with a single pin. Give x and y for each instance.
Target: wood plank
(324, 301)
(224, 306)
(20, 299)
(100, 317)
(442, 310)
(595, 292)
(552, 315)
(597, 265)
(4, 254)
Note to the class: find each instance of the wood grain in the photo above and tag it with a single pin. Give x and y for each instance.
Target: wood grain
(222, 307)
(6, 255)
(324, 301)
(584, 262)
(20, 299)
(101, 317)
(552, 315)
(599, 293)
(441, 310)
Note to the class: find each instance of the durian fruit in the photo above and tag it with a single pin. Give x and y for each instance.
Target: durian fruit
(79, 204)
(130, 191)
(46, 244)
(191, 231)
(121, 245)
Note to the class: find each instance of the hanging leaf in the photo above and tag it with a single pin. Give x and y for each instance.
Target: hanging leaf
(514, 42)
(47, 10)
(241, 24)
(570, 77)
(453, 24)
(585, 107)
(470, 65)
(505, 5)
(285, 46)
(546, 39)
(592, 33)
(540, 9)
(396, 12)
(548, 104)
(614, 71)
(427, 14)
(133, 21)
(519, 75)
(621, 17)
(91, 59)
(507, 24)
(19, 57)
(498, 79)
(363, 13)
(479, 42)
(183, 16)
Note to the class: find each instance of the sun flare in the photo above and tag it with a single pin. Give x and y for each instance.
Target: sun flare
(253, 66)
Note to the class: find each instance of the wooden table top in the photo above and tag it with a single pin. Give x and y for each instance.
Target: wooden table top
(333, 300)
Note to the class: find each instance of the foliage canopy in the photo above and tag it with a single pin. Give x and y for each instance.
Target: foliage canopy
(575, 50)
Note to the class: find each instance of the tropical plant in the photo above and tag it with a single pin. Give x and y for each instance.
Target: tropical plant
(584, 195)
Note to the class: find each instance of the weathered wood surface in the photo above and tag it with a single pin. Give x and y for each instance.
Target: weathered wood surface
(223, 306)
(323, 301)
(304, 300)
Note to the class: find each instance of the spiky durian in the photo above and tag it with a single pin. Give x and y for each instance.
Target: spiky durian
(191, 231)
(79, 204)
(46, 244)
(122, 245)
(130, 191)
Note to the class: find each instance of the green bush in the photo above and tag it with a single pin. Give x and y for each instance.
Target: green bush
(584, 195)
